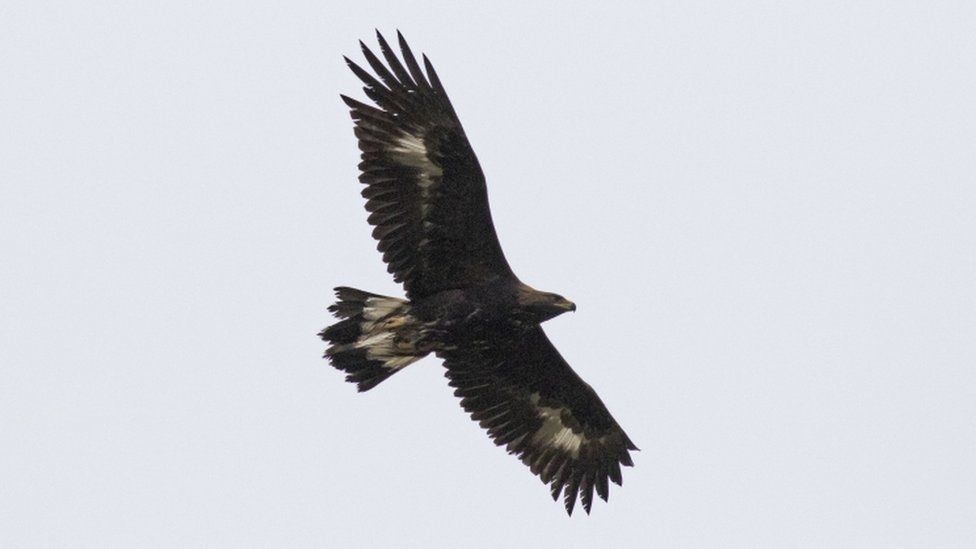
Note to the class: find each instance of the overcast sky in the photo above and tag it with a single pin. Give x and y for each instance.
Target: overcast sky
(764, 212)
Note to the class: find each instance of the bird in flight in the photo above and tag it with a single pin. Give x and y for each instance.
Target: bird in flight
(427, 201)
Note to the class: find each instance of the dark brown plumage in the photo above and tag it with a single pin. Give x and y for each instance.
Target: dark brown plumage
(428, 204)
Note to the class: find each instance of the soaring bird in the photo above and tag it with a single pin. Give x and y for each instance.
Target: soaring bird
(427, 201)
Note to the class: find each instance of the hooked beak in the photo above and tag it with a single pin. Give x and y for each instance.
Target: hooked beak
(567, 305)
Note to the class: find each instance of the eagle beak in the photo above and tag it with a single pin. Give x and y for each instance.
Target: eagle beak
(568, 305)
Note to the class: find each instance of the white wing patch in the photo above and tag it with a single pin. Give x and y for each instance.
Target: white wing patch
(553, 432)
(411, 151)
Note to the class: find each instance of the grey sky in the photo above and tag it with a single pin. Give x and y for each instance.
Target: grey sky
(765, 214)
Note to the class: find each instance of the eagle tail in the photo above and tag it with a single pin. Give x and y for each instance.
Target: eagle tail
(375, 338)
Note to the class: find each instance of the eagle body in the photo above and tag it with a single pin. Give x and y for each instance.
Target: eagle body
(498, 306)
(428, 205)
(498, 313)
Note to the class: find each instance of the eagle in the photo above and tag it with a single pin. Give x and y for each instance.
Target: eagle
(428, 206)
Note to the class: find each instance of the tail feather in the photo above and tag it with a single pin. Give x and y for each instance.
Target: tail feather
(375, 338)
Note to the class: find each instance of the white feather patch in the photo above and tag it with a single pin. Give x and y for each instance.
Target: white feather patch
(381, 317)
(413, 152)
(379, 307)
(553, 432)
(382, 347)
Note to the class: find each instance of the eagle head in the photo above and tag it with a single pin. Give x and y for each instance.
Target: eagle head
(542, 305)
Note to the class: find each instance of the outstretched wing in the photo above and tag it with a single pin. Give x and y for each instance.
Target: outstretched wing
(424, 187)
(531, 401)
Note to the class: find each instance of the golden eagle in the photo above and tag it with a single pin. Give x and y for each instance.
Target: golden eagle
(427, 201)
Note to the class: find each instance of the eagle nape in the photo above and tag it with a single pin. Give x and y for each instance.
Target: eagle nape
(427, 202)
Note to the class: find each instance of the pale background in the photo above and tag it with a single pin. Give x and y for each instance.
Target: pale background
(764, 212)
